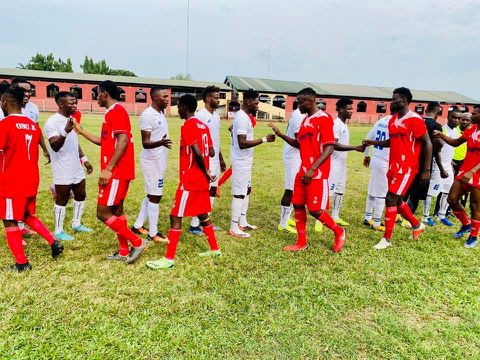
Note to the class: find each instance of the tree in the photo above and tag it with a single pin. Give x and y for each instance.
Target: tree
(91, 67)
(47, 63)
(181, 76)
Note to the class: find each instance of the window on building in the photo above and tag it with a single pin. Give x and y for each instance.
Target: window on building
(420, 109)
(77, 91)
(441, 111)
(52, 90)
(121, 94)
(453, 107)
(381, 108)
(140, 96)
(279, 101)
(464, 108)
(223, 95)
(178, 92)
(95, 93)
(362, 107)
(33, 91)
(295, 104)
(264, 99)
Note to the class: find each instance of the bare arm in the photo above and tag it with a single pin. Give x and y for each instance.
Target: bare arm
(427, 149)
(382, 143)
(198, 156)
(452, 142)
(284, 137)
(341, 147)
(243, 143)
(120, 148)
(148, 144)
(90, 137)
(84, 160)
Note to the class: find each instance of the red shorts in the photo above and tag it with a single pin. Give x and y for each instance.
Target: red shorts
(113, 193)
(16, 208)
(399, 183)
(315, 195)
(474, 181)
(191, 203)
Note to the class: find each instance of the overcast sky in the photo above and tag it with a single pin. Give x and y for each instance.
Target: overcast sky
(423, 44)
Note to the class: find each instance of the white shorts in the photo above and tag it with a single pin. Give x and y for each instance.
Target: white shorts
(291, 170)
(378, 184)
(435, 183)
(338, 178)
(241, 177)
(153, 174)
(448, 182)
(215, 170)
(68, 179)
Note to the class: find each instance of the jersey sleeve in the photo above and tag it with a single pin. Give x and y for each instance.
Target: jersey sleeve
(145, 122)
(243, 123)
(120, 122)
(50, 130)
(209, 136)
(467, 132)
(189, 133)
(418, 127)
(325, 124)
(337, 130)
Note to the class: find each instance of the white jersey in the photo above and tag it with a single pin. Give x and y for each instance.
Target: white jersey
(341, 133)
(290, 153)
(2, 115)
(66, 165)
(213, 123)
(447, 151)
(31, 110)
(156, 123)
(379, 132)
(242, 125)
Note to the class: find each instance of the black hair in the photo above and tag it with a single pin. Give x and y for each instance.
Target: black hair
(209, 90)
(110, 88)
(432, 106)
(250, 94)
(17, 92)
(3, 87)
(476, 106)
(62, 95)
(308, 92)
(19, 80)
(343, 102)
(453, 111)
(154, 89)
(189, 101)
(404, 92)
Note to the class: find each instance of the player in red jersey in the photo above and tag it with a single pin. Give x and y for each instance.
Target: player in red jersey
(193, 195)
(408, 138)
(316, 143)
(19, 142)
(118, 169)
(467, 181)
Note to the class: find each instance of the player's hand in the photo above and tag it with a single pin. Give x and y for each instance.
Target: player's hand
(307, 178)
(77, 128)
(443, 174)
(47, 156)
(360, 148)
(223, 166)
(366, 161)
(367, 142)
(230, 128)
(88, 167)
(69, 125)
(166, 142)
(466, 177)
(437, 133)
(274, 128)
(105, 176)
(270, 137)
(425, 176)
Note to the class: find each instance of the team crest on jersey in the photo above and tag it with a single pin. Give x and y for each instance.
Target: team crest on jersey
(201, 126)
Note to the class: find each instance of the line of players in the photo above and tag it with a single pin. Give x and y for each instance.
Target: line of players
(320, 140)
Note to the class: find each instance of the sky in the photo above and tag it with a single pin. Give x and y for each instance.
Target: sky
(422, 44)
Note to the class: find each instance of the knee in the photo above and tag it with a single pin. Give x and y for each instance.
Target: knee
(80, 196)
(452, 200)
(315, 214)
(102, 215)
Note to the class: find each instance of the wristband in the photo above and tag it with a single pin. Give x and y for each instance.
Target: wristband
(84, 159)
(264, 139)
(63, 133)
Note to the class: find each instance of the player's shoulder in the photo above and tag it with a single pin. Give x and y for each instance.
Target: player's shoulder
(32, 106)
(241, 115)
(117, 109)
(414, 115)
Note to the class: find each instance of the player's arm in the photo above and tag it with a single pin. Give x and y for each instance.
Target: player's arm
(84, 160)
(57, 141)
(327, 151)
(90, 137)
(44, 147)
(120, 148)
(341, 147)
(284, 137)
(198, 156)
(427, 150)
(452, 142)
(148, 144)
(223, 166)
(382, 143)
(366, 152)
(243, 143)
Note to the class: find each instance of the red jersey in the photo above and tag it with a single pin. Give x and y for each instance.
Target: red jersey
(404, 147)
(19, 139)
(194, 132)
(472, 135)
(77, 116)
(117, 122)
(315, 132)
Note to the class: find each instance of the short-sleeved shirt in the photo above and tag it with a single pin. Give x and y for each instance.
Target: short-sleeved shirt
(447, 150)
(213, 123)
(341, 133)
(290, 153)
(379, 132)
(404, 147)
(117, 122)
(242, 125)
(431, 125)
(19, 139)
(472, 135)
(315, 133)
(156, 123)
(31, 111)
(65, 162)
(193, 132)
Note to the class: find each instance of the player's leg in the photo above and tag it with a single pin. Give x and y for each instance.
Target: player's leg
(457, 191)
(226, 175)
(243, 224)
(79, 196)
(433, 190)
(299, 200)
(153, 211)
(290, 172)
(475, 222)
(151, 184)
(209, 232)
(13, 234)
(369, 205)
(138, 227)
(391, 201)
(61, 200)
(239, 192)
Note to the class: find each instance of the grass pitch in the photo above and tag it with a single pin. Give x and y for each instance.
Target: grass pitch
(414, 300)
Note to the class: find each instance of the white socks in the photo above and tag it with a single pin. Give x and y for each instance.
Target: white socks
(369, 207)
(152, 211)
(236, 211)
(243, 214)
(443, 206)
(378, 210)
(426, 204)
(285, 212)
(337, 204)
(142, 215)
(59, 212)
(78, 207)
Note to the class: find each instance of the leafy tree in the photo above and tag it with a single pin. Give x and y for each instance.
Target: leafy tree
(91, 67)
(181, 76)
(47, 63)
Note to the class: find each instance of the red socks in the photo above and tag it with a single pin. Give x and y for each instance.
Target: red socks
(327, 220)
(301, 221)
(41, 229)
(462, 216)
(210, 234)
(120, 226)
(14, 241)
(475, 228)
(407, 214)
(390, 218)
(123, 242)
(173, 237)
(226, 175)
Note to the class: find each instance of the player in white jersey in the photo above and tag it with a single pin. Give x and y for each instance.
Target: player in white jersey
(378, 184)
(241, 156)
(450, 130)
(338, 167)
(209, 116)
(291, 165)
(67, 159)
(153, 161)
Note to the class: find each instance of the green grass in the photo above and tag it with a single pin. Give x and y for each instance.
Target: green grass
(415, 300)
